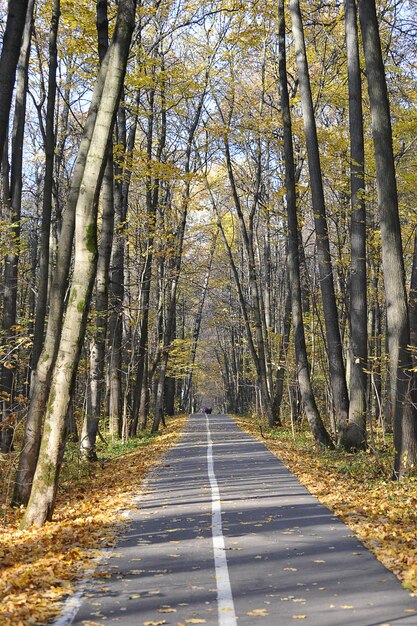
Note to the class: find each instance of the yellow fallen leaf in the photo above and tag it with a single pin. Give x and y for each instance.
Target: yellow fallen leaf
(153, 623)
(258, 613)
(167, 609)
(195, 620)
(346, 606)
(299, 616)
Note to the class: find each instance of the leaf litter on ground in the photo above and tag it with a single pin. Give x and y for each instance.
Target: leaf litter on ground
(39, 567)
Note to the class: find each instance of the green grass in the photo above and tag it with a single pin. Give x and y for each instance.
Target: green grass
(75, 467)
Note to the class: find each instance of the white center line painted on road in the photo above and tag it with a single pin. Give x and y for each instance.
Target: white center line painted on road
(226, 607)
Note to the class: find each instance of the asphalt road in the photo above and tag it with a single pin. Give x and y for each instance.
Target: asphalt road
(226, 535)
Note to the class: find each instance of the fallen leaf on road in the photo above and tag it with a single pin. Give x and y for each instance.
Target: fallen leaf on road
(258, 613)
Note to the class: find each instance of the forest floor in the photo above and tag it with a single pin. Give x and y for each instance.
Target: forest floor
(39, 566)
(359, 490)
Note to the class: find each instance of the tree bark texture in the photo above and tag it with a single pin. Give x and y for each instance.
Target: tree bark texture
(16, 18)
(11, 261)
(317, 427)
(398, 330)
(98, 343)
(331, 319)
(152, 199)
(255, 295)
(50, 144)
(186, 392)
(354, 437)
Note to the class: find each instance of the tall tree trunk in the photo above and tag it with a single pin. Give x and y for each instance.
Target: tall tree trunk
(116, 295)
(405, 412)
(117, 267)
(354, 437)
(14, 203)
(50, 143)
(98, 344)
(168, 333)
(318, 429)
(186, 392)
(12, 39)
(152, 200)
(109, 85)
(412, 299)
(334, 343)
(255, 296)
(282, 356)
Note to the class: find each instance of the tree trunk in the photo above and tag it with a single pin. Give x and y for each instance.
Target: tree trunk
(405, 411)
(412, 299)
(186, 392)
(45, 482)
(282, 356)
(334, 343)
(98, 344)
(168, 334)
(152, 200)
(14, 203)
(16, 19)
(50, 143)
(354, 437)
(318, 429)
(255, 296)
